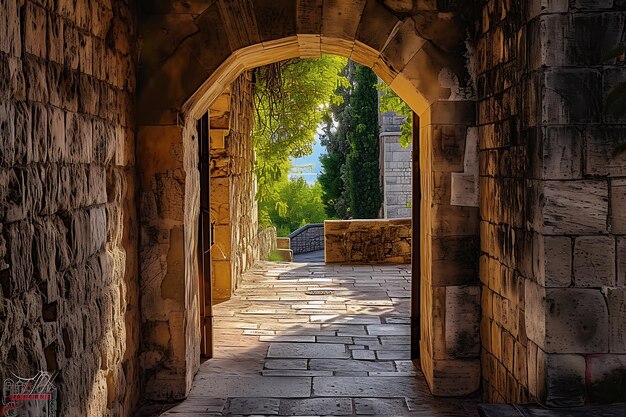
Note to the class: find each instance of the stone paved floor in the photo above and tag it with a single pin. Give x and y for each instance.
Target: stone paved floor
(312, 340)
(309, 257)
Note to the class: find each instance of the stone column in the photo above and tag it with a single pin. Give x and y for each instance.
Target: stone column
(167, 156)
(450, 304)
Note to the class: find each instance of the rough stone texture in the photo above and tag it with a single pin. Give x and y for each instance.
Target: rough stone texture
(550, 197)
(395, 167)
(239, 241)
(68, 221)
(308, 238)
(367, 241)
(419, 52)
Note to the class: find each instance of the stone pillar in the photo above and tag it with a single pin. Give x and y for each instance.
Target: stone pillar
(450, 304)
(551, 230)
(167, 156)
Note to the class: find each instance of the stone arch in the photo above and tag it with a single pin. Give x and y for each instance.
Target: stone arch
(198, 48)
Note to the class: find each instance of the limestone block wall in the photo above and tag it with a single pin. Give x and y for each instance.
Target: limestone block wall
(395, 167)
(233, 188)
(367, 241)
(552, 228)
(450, 290)
(308, 238)
(68, 234)
(396, 173)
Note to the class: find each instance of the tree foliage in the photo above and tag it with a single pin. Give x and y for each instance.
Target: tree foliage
(298, 203)
(291, 98)
(390, 102)
(350, 178)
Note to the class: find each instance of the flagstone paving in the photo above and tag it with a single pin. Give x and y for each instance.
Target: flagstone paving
(310, 339)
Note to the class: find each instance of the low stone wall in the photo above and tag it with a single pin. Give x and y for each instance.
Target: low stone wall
(308, 238)
(367, 241)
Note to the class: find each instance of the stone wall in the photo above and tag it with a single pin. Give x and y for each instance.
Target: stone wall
(367, 241)
(308, 238)
(395, 167)
(233, 187)
(552, 245)
(396, 172)
(68, 234)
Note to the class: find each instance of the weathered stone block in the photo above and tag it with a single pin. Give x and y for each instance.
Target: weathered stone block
(54, 43)
(616, 298)
(557, 154)
(10, 29)
(575, 207)
(601, 158)
(621, 261)
(618, 206)
(576, 321)
(594, 261)
(565, 101)
(557, 261)
(535, 311)
(606, 378)
(454, 260)
(461, 321)
(565, 380)
(35, 20)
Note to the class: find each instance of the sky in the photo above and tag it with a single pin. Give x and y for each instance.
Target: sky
(314, 159)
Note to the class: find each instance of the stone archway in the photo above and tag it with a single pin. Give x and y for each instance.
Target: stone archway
(197, 49)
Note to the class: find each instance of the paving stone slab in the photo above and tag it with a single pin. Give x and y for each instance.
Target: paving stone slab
(248, 406)
(288, 338)
(286, 364)
(252, 386)
(307, 350)
(350, 365)
(380, 406)
(316, 406)
(393, 354)
(389, 330)
(383, 387)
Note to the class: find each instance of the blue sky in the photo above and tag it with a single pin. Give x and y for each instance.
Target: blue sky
(313, 159)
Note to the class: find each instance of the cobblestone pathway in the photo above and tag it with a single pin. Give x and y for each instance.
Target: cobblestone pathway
(312, 340)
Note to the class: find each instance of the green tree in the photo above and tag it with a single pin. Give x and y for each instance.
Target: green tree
(390, 102)
(363, 176)
(350, 177)
(298, 204)
(291, 98)
(337, 123)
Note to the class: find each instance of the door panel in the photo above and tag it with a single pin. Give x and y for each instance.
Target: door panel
(204, 240)
(416, 204)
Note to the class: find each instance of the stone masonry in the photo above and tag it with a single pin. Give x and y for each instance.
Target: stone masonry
(552, 203)
(308, 238)
(233, 188)
(99, 185)
(367, 241)
(68, 220)
(395, 168)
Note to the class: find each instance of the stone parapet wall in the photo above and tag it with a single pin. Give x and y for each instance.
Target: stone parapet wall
(367, 241)
(308, 238)
(68, 221)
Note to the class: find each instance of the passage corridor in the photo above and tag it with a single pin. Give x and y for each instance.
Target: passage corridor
(313, 339)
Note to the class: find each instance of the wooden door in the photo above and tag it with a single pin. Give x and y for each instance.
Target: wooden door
(416, 203)
(204, 240)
